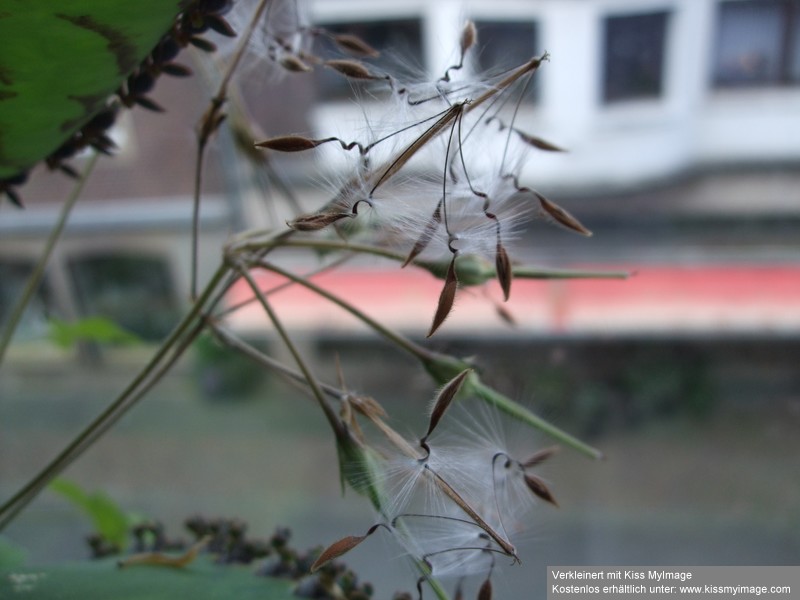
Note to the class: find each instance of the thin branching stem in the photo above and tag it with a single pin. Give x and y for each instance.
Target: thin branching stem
(153, 371)
(519, 412)
(35, 279)
(208, 125)
(327, 409)
(401, 341)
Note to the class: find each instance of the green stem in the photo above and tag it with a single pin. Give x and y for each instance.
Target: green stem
(521, 413)
(129, 396)
(524, 272)
(443, 367)
(208, 125)
(404, 343)
(35, 278)
(330, 414)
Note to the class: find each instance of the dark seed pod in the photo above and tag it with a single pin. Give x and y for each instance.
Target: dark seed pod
(215, 7)
(202, 44)
(166, 50)
(176, 70)
(140, 83)
(220, 25)
(102, 120)
(148, 104)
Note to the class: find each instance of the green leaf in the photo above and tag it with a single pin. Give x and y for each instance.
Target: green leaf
(61, 60)
(201, 580)
(91, 329)
(11, 555)
(108, 518)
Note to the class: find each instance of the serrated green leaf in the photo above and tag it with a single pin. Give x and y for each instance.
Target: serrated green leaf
(61, 60)
(108, 518)
(91, 329)
(201, 580)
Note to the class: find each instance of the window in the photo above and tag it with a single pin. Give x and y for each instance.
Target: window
(399, 41)
(13, 278)
(135, 292)
(758, 43)
(504, 45)
(634, 56)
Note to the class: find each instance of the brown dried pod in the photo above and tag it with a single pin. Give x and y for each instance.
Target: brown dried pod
(446, 298)
(504, 272)
(343, 546)
(292, 63)
(562, 216)
(537, 142)
(468, 37)
(351, 68)
(355, 45)
(317, 221)
(539, 457)
(426, 236)
(289, 143)
(444, 399)
(538, 487)
(485, 593)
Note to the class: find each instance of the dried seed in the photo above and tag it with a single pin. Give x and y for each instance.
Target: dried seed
(356, 45)
(538, 487)
(351, 68)
(317, 221)
(468, 37)
(427, 234)
(504, 272)
(539, 457)
(446, 298)
(562, 216)
(343, 546)
(444, 399)
(485, 593)
(289, 143)
(292, 63)
(538, 142)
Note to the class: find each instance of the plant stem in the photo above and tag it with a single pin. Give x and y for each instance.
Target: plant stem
(519, 412)
(403, 342)
(330, 414)
(209, 123)
(443, 367)
(135, 390)
(35, 279)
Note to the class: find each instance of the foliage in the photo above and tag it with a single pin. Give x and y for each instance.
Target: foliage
(60, 63)
(91, 329)
(203, 580)
(108, 519)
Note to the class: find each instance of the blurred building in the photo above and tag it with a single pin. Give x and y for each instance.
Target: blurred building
(682, 120)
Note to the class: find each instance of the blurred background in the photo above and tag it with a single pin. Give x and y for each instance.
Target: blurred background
(682, 121)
